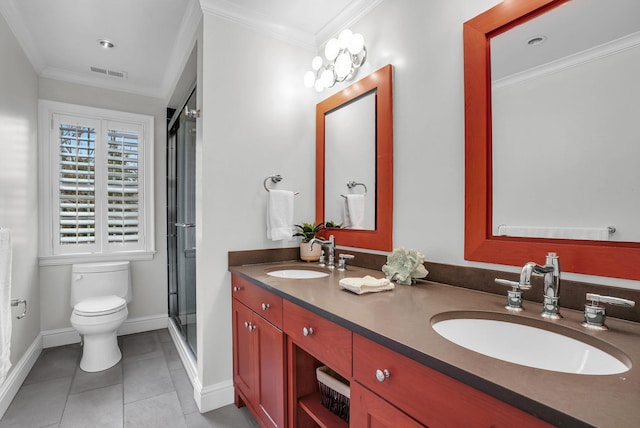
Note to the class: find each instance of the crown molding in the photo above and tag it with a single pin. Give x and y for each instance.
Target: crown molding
(184, 42)
(256, 21)
(229, 11)
(347, 18)
(100, 81)
(16, 23)
(592, 54)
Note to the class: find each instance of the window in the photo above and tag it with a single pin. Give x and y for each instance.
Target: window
(96, 184)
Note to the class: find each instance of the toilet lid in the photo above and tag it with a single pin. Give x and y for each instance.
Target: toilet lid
(102, 305)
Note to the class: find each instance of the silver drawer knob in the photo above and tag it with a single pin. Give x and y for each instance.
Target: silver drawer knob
(265, 306)
(246, 324)
(381, 375)
(236, 289)
(252, 327)
(307, 331)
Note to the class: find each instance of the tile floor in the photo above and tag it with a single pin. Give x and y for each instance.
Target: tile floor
(148, 388)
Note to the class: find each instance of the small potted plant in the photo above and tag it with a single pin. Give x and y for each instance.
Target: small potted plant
(308, 231)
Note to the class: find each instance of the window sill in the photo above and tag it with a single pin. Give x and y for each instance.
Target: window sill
(67, 259)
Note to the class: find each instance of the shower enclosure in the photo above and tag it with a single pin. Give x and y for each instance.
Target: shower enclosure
(181, 227)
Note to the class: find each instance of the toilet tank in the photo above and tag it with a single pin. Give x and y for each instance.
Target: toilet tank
(100, 279)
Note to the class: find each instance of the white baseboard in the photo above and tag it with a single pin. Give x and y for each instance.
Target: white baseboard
(18, 374)
(207, 398)
(212, 397)
(67, 336)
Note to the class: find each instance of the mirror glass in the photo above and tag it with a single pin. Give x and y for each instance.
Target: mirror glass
(508, 175)
(354, 163)
(565, 124)
(350, 164)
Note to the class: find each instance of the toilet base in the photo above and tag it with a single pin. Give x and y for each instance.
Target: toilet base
(100, 352)
(100, 349)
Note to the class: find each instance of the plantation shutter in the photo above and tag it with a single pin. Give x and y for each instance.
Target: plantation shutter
(97, 203)
(123, 184)
(77, 184)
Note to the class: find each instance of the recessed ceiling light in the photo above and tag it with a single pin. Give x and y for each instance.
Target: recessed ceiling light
(536, 40)
(107, 44)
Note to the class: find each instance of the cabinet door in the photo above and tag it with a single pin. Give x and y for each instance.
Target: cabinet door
(370, 411)
(243, 362)
(269, 348)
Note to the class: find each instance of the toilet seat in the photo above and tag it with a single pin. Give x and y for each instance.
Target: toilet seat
(98, 306)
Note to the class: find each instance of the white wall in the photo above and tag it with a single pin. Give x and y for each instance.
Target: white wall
(19, 182)
(149, 278)
(257, 120)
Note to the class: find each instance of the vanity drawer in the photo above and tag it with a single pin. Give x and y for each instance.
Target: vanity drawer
(323, 339)
(427, 395)
(259, 300)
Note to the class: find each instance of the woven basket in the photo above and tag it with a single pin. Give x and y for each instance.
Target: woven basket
(334, 392)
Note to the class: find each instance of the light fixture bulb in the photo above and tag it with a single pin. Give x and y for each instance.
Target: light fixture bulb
(343, 65)
(319, 85)
(316, 63)
(309, 79)
(344, 38)
(328, 78)
(331, 50)
(356, 44)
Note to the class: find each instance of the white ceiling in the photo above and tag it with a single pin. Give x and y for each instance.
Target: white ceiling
(154, 37)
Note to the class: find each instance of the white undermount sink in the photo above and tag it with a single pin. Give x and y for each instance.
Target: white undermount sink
(295, 273)
(510, 340)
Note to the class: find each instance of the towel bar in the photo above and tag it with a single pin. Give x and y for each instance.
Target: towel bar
(352, 184)
(274, 179)
(16, 302)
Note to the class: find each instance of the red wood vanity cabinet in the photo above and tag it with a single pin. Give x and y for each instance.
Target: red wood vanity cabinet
(429, 396)
(277, 345)
(258, 352)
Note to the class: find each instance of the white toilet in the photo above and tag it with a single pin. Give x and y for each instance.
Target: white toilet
(99, 296)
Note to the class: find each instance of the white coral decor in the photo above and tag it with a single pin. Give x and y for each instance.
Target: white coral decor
(403, 266)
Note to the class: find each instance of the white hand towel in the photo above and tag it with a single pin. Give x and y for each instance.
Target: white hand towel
(354, 211)
(5, 303)
(588, 233)
(280, 215)
(366, 284)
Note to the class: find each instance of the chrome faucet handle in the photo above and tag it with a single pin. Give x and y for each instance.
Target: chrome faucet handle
(321, 259)
(594, 314)
(514, 296)
(342, 263)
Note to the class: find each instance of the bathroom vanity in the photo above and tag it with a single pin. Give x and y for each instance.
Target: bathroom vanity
(401, 372)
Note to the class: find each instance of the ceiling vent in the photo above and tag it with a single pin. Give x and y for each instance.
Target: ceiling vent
(112, 73)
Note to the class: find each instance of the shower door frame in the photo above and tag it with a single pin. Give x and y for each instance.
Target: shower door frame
(180, 232)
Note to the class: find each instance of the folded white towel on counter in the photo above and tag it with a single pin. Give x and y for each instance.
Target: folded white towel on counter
(354, 211)
(280, 215)
(366, 284)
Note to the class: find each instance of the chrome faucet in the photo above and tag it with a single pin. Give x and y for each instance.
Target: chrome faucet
(330, 244)
(551, 291)
(551, 273)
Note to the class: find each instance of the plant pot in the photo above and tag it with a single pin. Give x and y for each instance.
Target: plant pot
(310, 256)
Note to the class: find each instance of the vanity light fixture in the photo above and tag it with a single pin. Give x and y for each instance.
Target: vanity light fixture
(107, 44)
(345, 54)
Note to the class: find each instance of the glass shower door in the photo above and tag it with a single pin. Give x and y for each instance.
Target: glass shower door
(181, 158)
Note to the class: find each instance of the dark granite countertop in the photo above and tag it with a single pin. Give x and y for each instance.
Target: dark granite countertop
(401, 320)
